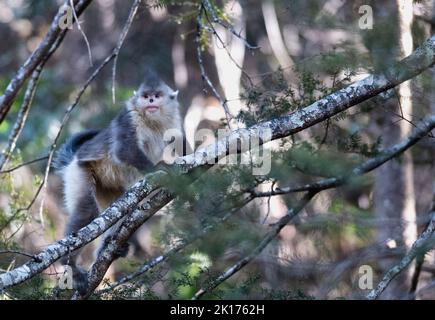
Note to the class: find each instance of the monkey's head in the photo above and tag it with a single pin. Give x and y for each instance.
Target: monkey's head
(154, 99)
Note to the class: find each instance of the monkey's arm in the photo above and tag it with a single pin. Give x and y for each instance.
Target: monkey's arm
(129, 153)
(94, 149)
(125, 146)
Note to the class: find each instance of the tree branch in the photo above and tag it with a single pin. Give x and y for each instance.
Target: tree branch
(9, 170)
(421, 59)
(27, 103)
(263, 244)
(108, 254)
(85, 235)
(102, 264)
(421, 245)
(121, 40)
(53, 33)
(209, 8)
(204, 75)
(423, 129)
(22, 116)
(176, 248)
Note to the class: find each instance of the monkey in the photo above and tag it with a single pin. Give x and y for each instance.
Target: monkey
(98, 166)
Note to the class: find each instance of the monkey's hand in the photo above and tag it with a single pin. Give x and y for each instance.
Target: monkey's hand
(170, 169)
(122, 251)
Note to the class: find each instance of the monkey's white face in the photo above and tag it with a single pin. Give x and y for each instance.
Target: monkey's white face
(151, 102)
(157, 103)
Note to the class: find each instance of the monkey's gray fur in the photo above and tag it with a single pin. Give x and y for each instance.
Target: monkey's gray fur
(97, 166)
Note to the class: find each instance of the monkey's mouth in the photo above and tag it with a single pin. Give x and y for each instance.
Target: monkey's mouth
(152, 109)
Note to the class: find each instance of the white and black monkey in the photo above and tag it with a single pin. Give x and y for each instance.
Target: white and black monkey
(97, 166)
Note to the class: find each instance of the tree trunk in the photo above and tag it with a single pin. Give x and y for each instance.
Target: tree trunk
(394, 200)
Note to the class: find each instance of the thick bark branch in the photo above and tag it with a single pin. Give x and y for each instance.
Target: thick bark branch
(85, 235)
(181, 244)
(128, 227)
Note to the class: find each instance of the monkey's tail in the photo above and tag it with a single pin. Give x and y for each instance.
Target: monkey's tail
(65, 154)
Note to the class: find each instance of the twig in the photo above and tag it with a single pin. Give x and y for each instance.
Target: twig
(213, 31)
(204, 75)
(88, 46)
(419, 246)
(266, 240)
(53, 33)
(124, 32)
(9, 170)
(146, 267)
(268, 203)
(422, 129)
(22, 117)
(27, 103)
(35, 258)
(209, 8)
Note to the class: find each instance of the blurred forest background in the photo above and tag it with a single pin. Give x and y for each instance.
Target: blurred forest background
(306, 49)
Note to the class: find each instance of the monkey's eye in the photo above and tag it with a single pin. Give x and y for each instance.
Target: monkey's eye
(145, 96)
(157, 95)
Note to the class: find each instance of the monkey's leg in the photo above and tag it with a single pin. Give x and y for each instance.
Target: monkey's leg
(105, 197)
(82, 209)
(122, 251)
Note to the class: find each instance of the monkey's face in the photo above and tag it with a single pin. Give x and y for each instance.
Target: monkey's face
(156, 102)
(151, 102)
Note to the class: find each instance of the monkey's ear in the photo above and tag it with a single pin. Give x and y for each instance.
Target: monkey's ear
(174, 95)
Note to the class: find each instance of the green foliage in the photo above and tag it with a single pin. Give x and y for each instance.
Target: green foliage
(36, 288)
(271, 98)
